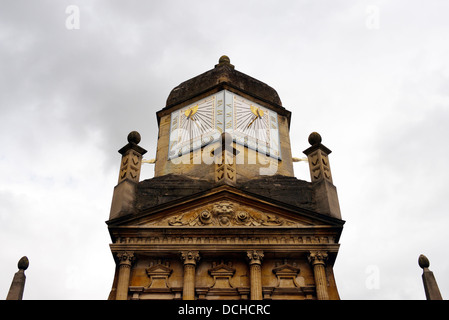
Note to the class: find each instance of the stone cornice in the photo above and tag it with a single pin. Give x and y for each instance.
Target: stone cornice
(268, 245)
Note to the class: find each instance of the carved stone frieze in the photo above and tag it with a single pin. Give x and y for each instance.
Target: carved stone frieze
(225, 213)
(224, 240)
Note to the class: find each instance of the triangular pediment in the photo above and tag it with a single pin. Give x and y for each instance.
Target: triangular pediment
(222, 269)
(286, 269)
(227, 207)
(159, 269)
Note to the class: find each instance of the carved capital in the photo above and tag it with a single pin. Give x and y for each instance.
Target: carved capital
(318, 257)
(126, 258)
(255, 256)
(190, 257)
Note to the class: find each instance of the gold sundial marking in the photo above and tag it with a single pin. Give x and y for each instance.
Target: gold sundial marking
(191, 111)
(257, 112)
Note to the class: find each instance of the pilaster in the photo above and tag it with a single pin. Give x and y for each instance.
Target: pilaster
(318, 260)
(190, 258)
(125, 261)
(255, 273)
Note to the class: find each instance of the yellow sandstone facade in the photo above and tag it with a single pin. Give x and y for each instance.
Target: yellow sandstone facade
(224, 216)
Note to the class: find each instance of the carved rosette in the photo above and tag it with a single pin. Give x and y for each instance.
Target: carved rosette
(205, 217)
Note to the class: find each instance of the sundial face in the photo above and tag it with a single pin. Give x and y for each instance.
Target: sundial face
(255, 126)
(203, 122)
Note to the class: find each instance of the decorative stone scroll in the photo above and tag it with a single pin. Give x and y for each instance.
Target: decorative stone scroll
(225, 213)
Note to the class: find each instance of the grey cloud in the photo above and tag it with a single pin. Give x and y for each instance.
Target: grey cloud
(68, 99)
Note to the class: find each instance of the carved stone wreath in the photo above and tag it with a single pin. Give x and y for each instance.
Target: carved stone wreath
(225, 213)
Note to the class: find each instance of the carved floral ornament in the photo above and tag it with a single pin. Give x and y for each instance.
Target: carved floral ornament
(225, 213)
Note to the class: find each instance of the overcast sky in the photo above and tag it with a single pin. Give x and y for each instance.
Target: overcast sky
(372, 77)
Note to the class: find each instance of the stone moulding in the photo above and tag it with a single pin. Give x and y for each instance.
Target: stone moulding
(303, 234)
(158, 244)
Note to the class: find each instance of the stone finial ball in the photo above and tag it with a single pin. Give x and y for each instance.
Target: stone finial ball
(423, 261)
(23, 263)
(224, 59)
(134, 137)
(314, 138)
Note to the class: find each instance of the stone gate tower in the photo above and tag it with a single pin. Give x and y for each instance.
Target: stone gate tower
(224, 217)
